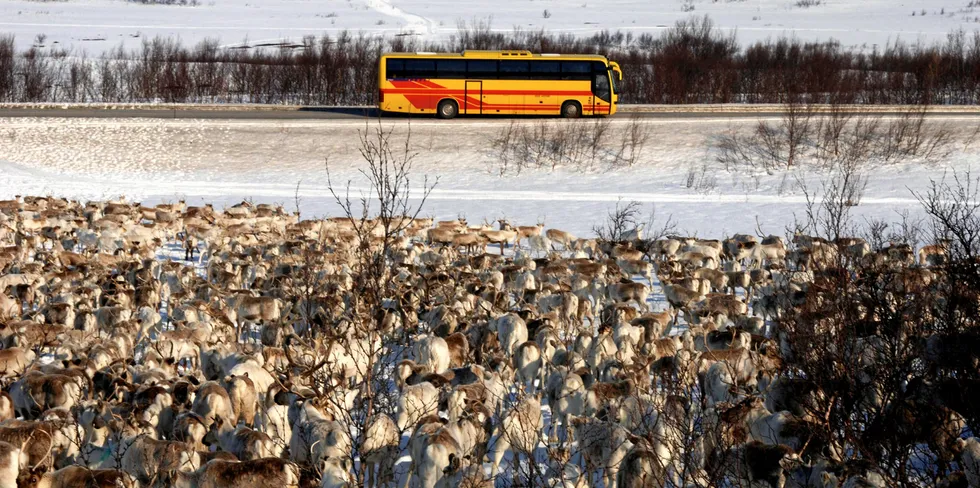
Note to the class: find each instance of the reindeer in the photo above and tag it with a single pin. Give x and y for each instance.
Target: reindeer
(12, 460)
(528, 231)
(259, 472)
(73, 476)
(244, 443)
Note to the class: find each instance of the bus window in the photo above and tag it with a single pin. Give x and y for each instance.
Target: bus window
(394, 68)
(451, 68)
(575, 70)
(481, 69)
(420, 68)
(600, 86)
(514, 70)
(545, 70)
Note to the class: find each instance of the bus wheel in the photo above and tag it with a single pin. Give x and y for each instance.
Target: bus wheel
(447, 109)
(571, 110)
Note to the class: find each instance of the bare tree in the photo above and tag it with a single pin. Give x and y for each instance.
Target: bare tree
(829, 211)
(952, 207)
(796, 125)
(634, 139)
(381, 213)
(621, 222)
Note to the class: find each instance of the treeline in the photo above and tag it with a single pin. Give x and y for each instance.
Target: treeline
(693, 62)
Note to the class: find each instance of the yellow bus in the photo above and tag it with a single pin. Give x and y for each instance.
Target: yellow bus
(497, 82)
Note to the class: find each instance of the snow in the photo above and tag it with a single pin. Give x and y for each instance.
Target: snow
(226, 161)
(98, 25)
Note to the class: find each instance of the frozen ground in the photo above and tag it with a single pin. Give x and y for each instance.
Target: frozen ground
(97, 25)
(224, 162)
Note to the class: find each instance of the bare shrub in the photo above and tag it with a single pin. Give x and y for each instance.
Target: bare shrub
(518, 147)
(700, 179)
(909, 136)
(797, 116)
(377, 217)
(627, 222)
(691, 62)
(191, 3)
(905, 371)
(7, 63)
(762, 150)
(953, 207)
(622, 221)
(841, 138)
(772, 146)
(854, 144)
(578, 146)
(634, 139)
(732, 150)
(881, 233)
(830, 128)
(828, 211)
(597, 134)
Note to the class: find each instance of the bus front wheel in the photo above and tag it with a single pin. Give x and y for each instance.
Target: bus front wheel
(571, 110)
(447, 109)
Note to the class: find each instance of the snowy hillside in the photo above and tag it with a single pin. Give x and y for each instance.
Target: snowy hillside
(97, 25)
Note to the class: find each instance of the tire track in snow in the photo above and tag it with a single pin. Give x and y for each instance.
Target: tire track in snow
(414, 23)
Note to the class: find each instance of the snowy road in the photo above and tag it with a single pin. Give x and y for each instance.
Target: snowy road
(284, 161)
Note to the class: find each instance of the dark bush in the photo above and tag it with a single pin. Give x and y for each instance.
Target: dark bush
(693, 62)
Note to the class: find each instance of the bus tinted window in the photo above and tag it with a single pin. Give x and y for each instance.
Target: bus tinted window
(575, 70)
(394, 68)
(485, 69)
(514, 70)
(451, 68)
(545, 70)
(598, 67)
(420, 68)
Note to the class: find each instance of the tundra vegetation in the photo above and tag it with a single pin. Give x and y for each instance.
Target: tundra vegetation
(319, 352)
(690, 62)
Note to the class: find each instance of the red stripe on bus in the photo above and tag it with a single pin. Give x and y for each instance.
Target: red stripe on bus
(447, 92)
(431, 88)
(408, 84)
(429, 84)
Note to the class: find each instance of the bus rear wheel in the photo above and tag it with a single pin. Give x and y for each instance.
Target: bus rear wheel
(571, 110)
(447, 109)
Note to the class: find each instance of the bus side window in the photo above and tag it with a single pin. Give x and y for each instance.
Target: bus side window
(514, 70)
(575, 70)
(420, 68)
(545, 70)
(481, 69)
(394, 68)
(451, 69)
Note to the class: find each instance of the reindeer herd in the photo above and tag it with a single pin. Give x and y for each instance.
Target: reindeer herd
(340, 353)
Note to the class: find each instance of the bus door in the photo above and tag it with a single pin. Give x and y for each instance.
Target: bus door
(601, 93)
(473, 97)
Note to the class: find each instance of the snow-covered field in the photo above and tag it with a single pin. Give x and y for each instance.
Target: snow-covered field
(97, 25)
(224, 162)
